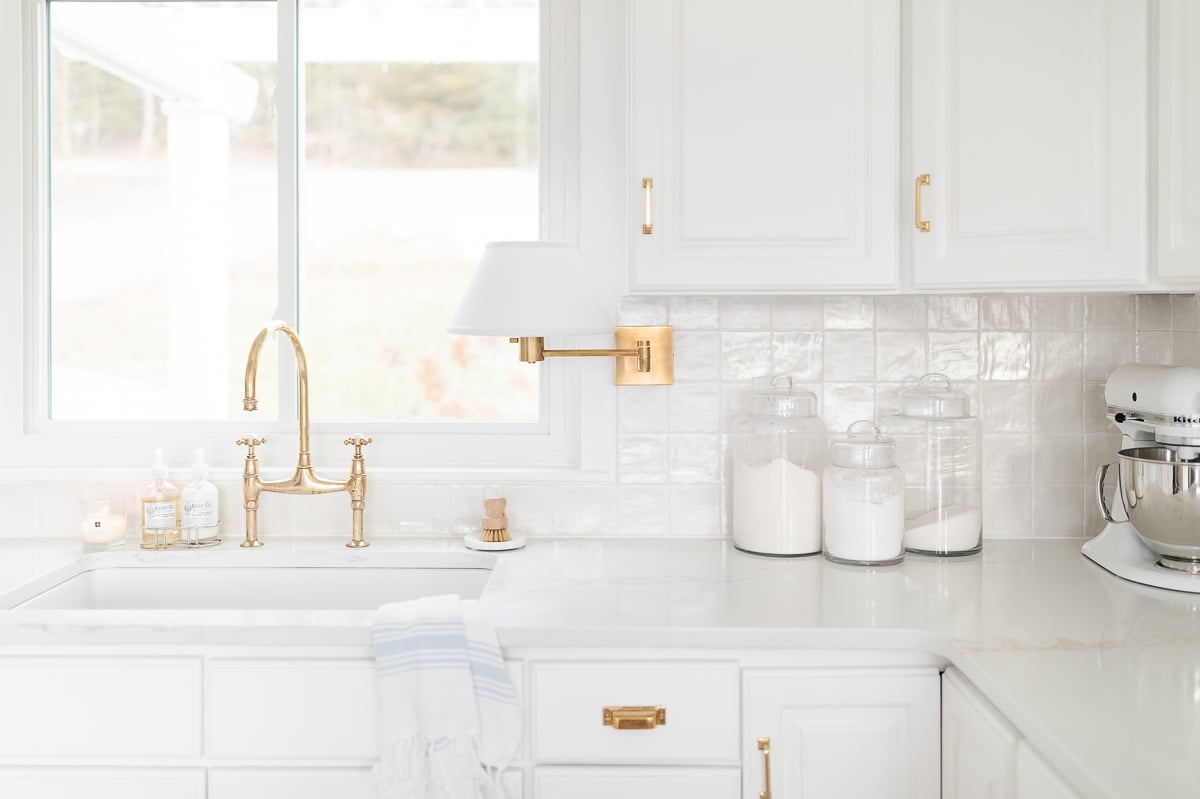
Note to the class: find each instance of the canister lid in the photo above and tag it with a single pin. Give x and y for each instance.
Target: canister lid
(777, 395)
(934, 396)
(863, 447)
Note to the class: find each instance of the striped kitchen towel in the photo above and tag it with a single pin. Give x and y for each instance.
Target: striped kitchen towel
(448, 714)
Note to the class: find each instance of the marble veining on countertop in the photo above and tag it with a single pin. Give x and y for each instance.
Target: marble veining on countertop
(1101, 675)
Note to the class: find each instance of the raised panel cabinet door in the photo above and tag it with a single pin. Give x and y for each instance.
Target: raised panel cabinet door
(1036, 779)
(1177, 241)
(766, 142)
(978, 745)
(634, 782)
(62, 782)
(841, 732)
(1030, 119)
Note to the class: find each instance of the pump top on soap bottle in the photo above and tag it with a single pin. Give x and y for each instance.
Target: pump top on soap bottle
(160, 507)
(201, 520)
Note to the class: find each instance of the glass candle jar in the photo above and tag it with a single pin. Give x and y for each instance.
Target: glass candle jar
(779, 451)
(863, 499)
(937, 445)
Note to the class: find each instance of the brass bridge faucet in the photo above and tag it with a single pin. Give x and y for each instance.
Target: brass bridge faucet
(304, 481)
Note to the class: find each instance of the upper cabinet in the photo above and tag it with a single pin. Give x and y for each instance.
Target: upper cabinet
(765, 144)
(1029, 118)
(1177, 240)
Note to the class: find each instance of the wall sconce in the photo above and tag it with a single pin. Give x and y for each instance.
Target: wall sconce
(526, 291)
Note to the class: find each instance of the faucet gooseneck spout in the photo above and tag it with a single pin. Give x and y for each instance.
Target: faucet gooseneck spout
(304, 481)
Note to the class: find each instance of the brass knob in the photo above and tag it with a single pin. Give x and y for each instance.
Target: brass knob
(634, 718)
(358, 442)
(251, 443)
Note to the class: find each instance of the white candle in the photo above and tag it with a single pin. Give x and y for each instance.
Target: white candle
(101, 521)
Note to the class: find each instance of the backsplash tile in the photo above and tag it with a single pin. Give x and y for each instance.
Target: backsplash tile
(1033, 365)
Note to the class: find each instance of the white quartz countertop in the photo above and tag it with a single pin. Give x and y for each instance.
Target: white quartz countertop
(1101, 676)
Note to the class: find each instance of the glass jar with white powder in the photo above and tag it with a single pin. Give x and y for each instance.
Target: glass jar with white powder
(937, 446)
(863, 499)
(779, 451)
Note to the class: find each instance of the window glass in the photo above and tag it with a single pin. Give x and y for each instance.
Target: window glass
(422, 144)
(163, 210)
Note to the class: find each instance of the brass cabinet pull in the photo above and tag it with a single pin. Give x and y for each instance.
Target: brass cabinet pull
(648, 224)
(764, 746)
(922, 224)
(635, 718)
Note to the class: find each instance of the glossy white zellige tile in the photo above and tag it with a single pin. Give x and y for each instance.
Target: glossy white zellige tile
(1152, 346)
(849, 356)
(530, 509)
(642, 458)
(900, 313)
(1004, 312)
(797, 313)
(695, 459)
(1007, 458)
(952, 313)
(1185, 313)
(799, 354)
(1104, 351)
(745, 313)
(735, 401)
(745, 355)
(643, 409)
(18, 512)
(1095, 409)
(1056, 355)
(1007, 511)
(1058, 408)
(696, 510)
(849, 313)
(694, 313)
(698, 355)
(422, 509)
(466, 509)
(1185, 349)
(1153, 311)
(643, 510)
(696, 408)
(956, 355)
(847, 402)
(1057, 312)
(900, 355)
(1057, 510)
(1110, 312)
(1058, 460)
(1004, 355)
(1006, 407)
(585, 510)
(643, 311)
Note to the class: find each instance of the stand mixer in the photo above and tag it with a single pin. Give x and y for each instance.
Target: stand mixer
(1157, 409)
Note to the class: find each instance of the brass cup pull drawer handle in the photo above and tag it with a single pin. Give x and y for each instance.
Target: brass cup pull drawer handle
(922, 224)
(764, 746)
(635, 718)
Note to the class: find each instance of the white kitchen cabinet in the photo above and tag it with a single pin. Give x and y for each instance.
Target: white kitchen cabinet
(310, 783)
(1177, 239)
(1036, 779)
(59, 782)
(1030, 118)
(841, 732)
(979, 747)
(635, 782)
(765, 144)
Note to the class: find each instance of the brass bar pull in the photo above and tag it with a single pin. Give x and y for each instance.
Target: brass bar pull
(648, 224)
(922, 224)
(764, 746)
(635, 718)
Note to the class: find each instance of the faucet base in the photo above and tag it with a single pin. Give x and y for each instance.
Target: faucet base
(358, 544)
(254, 543)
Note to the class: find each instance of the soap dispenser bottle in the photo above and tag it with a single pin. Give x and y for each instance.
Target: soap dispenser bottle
(160, 508)
(199, 499)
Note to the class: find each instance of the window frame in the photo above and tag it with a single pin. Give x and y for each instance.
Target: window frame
(576, 435)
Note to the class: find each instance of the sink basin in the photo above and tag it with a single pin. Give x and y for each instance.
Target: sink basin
(253, 587)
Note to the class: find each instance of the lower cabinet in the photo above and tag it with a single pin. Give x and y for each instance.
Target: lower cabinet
(306, 783)
(983, 756)
(635, 782)
(67, 782)
(840, 732)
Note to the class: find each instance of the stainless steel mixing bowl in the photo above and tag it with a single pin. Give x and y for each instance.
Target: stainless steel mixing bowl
(1161, 495)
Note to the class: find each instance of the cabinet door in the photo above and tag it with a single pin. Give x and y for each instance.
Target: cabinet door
(293, 783)
(1177, 243)
(634, 782)
(60, 782)
(1029, 116)
(770, 130)
(978, 746)
(844, 732)
(1035, 778)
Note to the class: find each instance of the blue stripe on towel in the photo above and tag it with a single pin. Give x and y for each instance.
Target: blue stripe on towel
(415, 643)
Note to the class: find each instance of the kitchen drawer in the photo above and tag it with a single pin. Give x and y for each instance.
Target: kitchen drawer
(56, 782)
(635, 782)
(310, 783)
(99, 707)
(701, 701)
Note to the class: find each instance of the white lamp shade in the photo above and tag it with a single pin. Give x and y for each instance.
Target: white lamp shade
(534, 288)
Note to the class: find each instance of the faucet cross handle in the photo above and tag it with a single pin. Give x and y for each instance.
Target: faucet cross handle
(251, 443)
(358, 442)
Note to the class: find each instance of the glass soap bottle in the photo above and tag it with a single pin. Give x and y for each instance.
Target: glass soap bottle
(200, 521)
(937, 445)
(779, 451)
(863, 499)
(160, 507)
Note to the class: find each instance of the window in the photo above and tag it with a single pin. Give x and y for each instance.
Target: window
(199, 167)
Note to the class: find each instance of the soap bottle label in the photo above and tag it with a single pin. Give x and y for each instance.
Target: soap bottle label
(159, 515)
(199, 513)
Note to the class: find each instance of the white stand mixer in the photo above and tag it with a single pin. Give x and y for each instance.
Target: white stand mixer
(1153, 406)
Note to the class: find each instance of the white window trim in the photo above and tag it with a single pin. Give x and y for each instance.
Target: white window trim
(583, 185)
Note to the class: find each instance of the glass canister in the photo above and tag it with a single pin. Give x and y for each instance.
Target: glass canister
(937, 446)
(863, 499)
(779, 451)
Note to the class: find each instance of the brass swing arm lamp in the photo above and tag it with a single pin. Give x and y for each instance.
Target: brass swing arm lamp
(526, 291)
